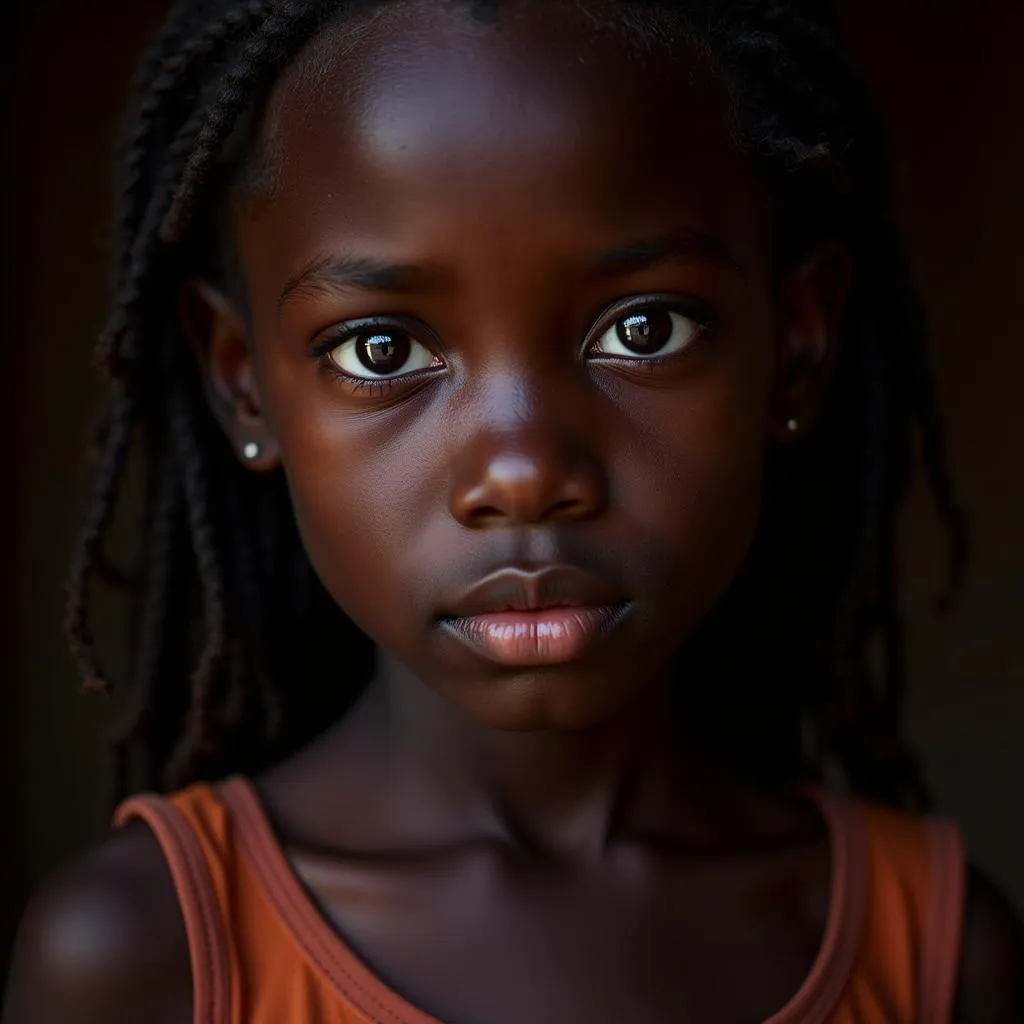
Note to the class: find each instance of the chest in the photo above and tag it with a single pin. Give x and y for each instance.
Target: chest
(476, 939)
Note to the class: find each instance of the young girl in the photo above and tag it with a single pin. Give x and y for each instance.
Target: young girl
(526, 391)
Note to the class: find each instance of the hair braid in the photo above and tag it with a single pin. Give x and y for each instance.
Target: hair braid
(920, 383)
(252, 580)
(165, 541)
(135, 154)
(255, 63)
(114, 441)
(201, 735)
(173, 61)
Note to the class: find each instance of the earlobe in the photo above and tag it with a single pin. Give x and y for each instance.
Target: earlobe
(219, 338)
(811, 311)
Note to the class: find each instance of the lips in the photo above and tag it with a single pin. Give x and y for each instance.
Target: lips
(543, 617)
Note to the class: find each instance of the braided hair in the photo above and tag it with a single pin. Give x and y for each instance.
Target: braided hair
(227, 611)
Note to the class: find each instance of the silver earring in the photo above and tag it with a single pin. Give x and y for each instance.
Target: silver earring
(251, 450)
(793, 426)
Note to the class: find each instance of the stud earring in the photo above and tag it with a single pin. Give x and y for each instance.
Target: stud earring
(793, 426)
(251, 450)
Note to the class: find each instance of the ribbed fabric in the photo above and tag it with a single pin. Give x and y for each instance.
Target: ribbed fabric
(262, 953)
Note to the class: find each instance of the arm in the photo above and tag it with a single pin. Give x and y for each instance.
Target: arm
(103, 942)
(991, 986)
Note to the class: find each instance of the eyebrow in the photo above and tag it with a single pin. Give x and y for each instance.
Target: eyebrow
(678, 246)
(340, 272)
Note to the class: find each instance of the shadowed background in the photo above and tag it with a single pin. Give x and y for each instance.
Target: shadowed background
(951, 86)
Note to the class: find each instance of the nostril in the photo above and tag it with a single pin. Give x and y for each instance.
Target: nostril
(566, 505)
(486, 514)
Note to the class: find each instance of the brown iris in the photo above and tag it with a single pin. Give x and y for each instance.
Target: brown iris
(383, 352)
(645, 333)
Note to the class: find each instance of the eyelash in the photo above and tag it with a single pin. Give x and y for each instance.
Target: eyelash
(381, 386)
(368, 385)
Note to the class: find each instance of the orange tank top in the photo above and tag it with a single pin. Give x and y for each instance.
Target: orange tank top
(261, 953)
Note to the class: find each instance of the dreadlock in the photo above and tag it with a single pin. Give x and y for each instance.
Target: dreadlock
(225, 600)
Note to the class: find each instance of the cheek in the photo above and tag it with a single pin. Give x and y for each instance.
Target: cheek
(691, 468)
(356, 490)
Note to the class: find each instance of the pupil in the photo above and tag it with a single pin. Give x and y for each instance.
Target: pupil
(384, 353)
(645, 333)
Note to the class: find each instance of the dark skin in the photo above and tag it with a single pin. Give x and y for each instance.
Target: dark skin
(540, 842)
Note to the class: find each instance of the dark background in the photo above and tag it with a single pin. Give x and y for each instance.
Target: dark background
(951, 83)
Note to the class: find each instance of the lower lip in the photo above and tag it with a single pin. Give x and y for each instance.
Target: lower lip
(550, 636)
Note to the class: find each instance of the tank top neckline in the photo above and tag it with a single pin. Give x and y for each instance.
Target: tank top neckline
(357, 985)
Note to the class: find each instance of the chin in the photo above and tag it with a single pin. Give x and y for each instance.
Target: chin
(546, 701)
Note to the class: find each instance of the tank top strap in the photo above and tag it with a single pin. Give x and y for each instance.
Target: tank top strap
(944, 921)
(914, 914)
(365, 998)
(822, 992)
(189, 828)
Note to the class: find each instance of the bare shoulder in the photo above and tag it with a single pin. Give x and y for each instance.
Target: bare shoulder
(991, 988)
(104, 941)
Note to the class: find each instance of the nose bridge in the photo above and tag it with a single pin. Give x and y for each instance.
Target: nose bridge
(526, 454)
(526, 401)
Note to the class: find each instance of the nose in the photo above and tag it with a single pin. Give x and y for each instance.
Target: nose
(527, 479)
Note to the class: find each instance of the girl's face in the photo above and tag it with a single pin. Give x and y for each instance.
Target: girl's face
(511, 308)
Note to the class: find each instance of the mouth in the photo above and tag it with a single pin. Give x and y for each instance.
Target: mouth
(548, 617)
(549, 636)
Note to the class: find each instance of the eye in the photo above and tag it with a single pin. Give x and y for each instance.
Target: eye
(374, 352)
(654, 332)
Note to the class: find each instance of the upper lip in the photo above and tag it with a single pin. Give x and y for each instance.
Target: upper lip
(519, 589)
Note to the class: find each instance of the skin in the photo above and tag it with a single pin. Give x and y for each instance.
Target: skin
(559, 837)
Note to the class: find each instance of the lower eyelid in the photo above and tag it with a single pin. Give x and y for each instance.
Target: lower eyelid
(701, 331)
(414, 377)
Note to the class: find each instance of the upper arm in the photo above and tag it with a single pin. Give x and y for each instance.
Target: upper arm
(991, 985)
(103, 941)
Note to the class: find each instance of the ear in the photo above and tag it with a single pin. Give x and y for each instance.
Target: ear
(811, 310)
(219, 338)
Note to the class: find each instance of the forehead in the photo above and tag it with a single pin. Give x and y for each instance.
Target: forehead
(558, 112)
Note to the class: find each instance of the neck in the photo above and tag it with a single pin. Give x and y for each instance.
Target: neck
(574, 792)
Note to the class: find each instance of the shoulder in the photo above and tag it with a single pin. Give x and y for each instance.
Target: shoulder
(991, 985)
(104, 941)
(990, 972)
